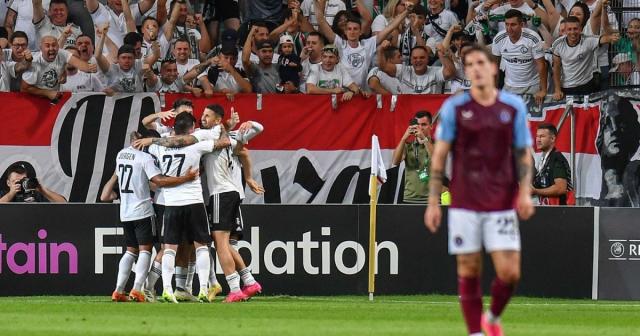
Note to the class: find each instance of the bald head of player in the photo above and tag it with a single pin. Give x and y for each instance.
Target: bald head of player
(49, 48)
(480, 68)
(185, 124)
(212, 116)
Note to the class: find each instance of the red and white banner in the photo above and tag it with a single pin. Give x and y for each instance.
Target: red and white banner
(309, 152)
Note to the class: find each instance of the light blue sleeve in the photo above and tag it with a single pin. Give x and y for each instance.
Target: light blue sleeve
(521, 133)
(446, 130)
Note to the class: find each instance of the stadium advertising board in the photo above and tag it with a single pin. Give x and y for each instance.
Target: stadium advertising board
(74, 249)
(310, 151)
(619, 254)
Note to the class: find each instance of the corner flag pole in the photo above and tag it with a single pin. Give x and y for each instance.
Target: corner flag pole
(378, 175)
(373, 203)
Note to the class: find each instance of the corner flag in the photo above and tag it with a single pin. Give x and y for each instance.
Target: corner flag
(377, 164)
(378, 176)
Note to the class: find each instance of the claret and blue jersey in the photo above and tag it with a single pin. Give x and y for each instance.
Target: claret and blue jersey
(482, 140)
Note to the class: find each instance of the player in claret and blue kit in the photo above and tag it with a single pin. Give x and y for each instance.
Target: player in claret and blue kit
(486, 131)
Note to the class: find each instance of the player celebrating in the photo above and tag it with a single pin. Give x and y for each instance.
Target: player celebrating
(134, 170)
(184, 213)
(485, 129)
(224, 198)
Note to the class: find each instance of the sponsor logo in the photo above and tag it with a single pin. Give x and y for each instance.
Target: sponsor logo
(617, 249)
(318, 253)
(467, 114)
(624, 249)
(40, 257)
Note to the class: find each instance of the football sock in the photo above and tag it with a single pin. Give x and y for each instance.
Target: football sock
(203, 265)
(471, 302)
(501, 293)
(154, 274)
(124, 269)
(181, 277)
(212, 271)
(233, 280)
(191, 270)
(168, 269)
(247, 277)
(142, 268)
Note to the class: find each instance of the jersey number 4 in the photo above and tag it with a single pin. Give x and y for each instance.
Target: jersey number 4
(125, 178)
(179, 158)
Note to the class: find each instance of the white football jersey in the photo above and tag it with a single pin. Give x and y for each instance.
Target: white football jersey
(175, 162)
(218, 165)
(134, 170)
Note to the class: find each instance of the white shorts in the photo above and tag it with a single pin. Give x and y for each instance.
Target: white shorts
(470, 230)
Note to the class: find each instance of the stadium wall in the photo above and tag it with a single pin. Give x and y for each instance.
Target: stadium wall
(73, 249)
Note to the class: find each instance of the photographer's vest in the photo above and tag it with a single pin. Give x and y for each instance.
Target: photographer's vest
(415, 160)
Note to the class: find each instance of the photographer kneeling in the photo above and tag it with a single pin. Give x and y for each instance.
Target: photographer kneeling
(23, 188)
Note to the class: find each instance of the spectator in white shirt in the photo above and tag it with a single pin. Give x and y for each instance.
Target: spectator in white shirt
(439, 20)
(419, 77)
(310, 55)
(55, 22)
(356, 55)
(127, 75)
(19, 18)
(379, 81)
(151, 33)
(47, 68)
(392, 9)
(331, 8)
(223, 76)
(414, 34)
(113, 14)
(181, 26)
(521, 49)
(574, 60)
(18, 53)
(330, 77)
(170, 81)
(80, 81)
(12, 69)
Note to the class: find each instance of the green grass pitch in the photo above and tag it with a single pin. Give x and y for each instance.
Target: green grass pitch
(339, 315)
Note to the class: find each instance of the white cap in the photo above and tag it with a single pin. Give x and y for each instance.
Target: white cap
(619, 59)
(286, 38)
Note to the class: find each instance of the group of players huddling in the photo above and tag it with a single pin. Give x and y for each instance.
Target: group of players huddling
(168, 160)
(485, 129)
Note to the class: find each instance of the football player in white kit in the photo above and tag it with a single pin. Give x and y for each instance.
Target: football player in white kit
(225, 198)
(185, 216)
(134, 170)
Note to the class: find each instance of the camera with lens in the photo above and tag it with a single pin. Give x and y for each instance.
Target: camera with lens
(28, 190)
(413, 122)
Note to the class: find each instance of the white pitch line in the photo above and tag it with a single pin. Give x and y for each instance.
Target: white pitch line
(456, 303)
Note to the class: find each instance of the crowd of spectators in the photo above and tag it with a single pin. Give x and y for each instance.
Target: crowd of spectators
(348, 47)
